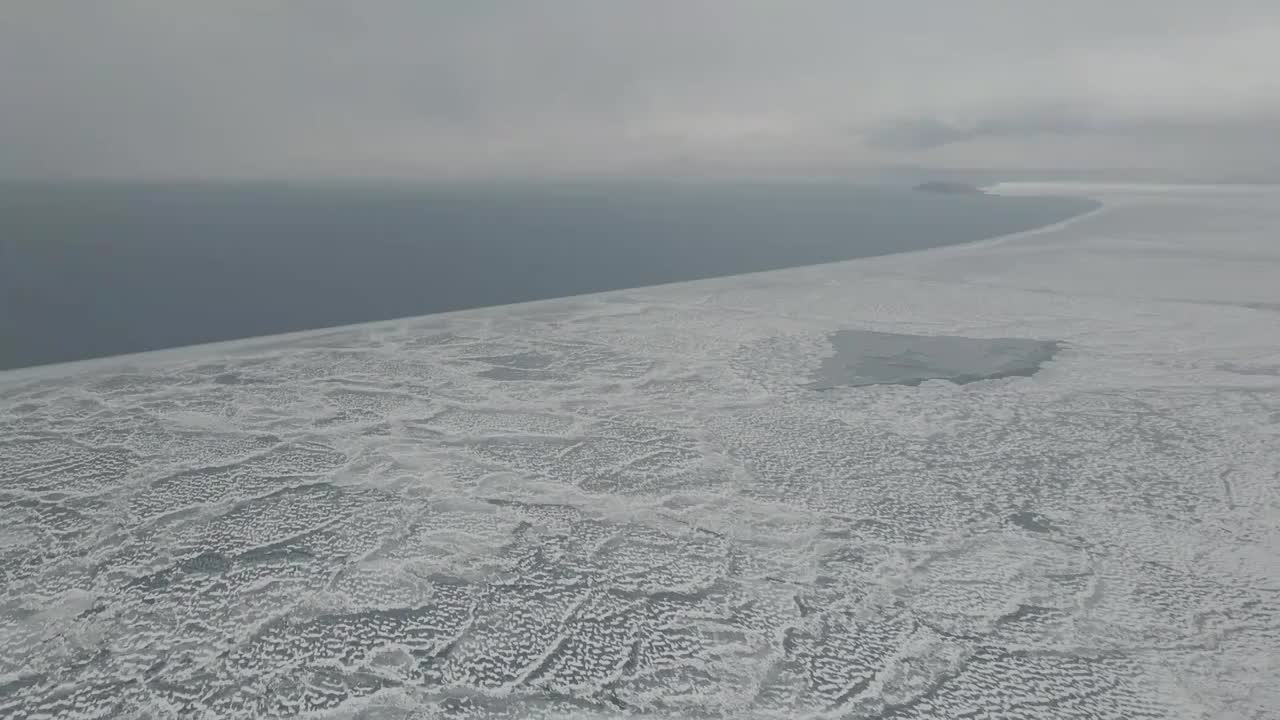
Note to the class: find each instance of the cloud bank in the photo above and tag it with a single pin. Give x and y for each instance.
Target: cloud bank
(420, 88)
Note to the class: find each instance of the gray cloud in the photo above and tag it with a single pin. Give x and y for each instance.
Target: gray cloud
(928, 132)
(433, 89)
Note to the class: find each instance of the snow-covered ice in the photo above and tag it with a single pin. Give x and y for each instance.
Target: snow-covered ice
(638, 503)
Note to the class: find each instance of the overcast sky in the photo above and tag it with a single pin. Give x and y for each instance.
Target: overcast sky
(477, 88)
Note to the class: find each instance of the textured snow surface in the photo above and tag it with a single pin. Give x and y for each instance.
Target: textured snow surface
(636, 503)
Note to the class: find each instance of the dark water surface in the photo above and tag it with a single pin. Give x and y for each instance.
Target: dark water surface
(90, 270)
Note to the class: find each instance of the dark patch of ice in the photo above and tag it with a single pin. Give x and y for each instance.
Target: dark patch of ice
(875, 358)
(1033, 521)
(513, 374)
(530, 360)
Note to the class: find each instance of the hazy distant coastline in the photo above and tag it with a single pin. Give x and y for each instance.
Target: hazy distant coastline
(948, 187)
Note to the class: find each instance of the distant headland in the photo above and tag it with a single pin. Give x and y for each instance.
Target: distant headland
(949, 188)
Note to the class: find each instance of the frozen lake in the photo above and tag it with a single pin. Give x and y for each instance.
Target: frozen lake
(633, 503)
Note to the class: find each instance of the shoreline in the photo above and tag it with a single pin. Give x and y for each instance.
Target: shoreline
(221, 347)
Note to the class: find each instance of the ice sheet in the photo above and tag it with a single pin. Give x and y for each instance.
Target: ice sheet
(632, 502)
